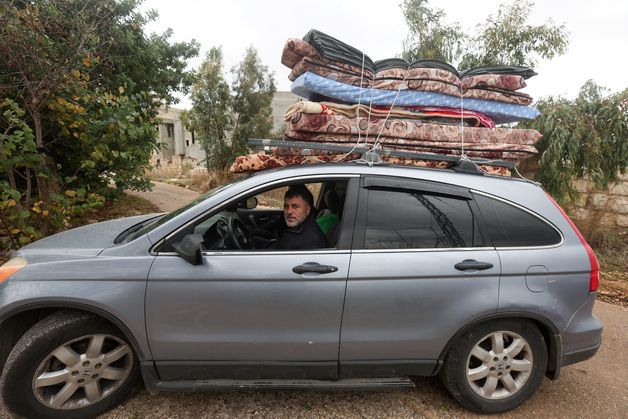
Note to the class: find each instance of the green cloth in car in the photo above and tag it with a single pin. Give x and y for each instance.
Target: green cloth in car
(327, 222)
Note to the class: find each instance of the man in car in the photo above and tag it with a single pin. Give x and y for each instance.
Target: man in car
(301, 230)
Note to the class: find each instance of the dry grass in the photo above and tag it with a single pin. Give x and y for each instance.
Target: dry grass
(124, 206)
(612, 253)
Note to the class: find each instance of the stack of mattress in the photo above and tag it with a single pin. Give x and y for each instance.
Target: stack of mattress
(426, 106)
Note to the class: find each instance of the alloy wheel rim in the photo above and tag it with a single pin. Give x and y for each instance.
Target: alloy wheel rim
(499, 365)
(82, 372)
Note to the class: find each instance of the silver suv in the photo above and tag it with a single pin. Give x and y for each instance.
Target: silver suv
(481, 280)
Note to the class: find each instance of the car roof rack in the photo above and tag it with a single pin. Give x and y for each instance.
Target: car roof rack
(371, 155)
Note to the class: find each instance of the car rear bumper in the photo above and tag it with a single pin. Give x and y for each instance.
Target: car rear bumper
(579, 355)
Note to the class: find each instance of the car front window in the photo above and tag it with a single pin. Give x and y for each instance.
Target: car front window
(167, 217)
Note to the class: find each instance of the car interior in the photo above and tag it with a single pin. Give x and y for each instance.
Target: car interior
(252, 223)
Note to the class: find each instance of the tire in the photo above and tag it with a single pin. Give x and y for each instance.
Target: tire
(487, 377)
(69, 365)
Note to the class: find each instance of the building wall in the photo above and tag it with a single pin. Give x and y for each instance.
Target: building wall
(281, 101)
(177, 141)
(601, 211)
(595, 211)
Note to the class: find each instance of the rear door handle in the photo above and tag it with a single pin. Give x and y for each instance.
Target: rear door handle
(315, 268)
(469, 264)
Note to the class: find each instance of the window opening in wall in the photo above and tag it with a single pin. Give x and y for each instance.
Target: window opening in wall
(170, 130)
(193, 139)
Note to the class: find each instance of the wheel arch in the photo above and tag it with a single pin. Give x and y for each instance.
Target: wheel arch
(548, 329)
(15, 323)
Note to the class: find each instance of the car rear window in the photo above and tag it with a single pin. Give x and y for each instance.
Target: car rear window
(413, 220)
(509, 226)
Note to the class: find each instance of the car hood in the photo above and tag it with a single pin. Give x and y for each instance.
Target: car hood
(80, 242)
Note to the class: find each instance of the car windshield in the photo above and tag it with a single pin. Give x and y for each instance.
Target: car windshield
(156, 222)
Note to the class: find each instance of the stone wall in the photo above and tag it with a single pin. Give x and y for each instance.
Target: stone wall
(598, 211)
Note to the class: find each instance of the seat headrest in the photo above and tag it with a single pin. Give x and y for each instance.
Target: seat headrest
(331, 200)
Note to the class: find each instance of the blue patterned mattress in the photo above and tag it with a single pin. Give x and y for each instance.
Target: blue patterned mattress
(312, 86)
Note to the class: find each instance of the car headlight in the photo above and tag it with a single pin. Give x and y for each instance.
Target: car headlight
(11, 267)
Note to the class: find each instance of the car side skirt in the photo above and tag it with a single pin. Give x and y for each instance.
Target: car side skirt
(154, 384)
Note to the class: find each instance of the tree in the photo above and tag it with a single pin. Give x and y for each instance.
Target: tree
(210, 116)
(504, 39)
(430, 36)
(91, 81)
(509, 39)
(253, 89)
(585, 137)
(76, 54)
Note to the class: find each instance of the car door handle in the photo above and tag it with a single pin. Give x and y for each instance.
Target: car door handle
(314, 267)
(468, 264)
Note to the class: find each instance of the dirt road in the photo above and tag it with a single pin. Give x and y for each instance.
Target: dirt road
(597, 388)
(167, 197)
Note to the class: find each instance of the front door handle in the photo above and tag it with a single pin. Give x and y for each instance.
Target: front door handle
(469, 264)
(314, 267)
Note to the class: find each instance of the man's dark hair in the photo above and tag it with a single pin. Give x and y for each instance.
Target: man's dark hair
(301, 191)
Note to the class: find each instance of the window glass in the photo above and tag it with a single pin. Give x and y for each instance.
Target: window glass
(273, 199)
(262, 225)
(509, 226)
(414, 220)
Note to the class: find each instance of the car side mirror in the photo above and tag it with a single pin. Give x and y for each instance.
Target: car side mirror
(190, 248)
(251, 203)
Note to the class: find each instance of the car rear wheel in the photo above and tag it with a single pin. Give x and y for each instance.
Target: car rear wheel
(69, 365)
(496, 366)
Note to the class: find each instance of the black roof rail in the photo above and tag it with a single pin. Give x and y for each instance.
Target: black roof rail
(460, 164)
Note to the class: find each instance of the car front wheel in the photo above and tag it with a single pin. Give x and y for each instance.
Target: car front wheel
(69, 365)
(496, 366)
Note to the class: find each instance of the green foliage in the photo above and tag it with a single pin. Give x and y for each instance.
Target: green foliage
(18, 152)
(506, 38)
(430, 36)
(21, 216)
(210, 118)
(90, 81)
(253, 90)
(586, 137)
(224, 119)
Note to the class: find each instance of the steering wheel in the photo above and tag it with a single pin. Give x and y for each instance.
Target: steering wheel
(233, 232)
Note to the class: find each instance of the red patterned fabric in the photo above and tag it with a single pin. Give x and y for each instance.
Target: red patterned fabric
(256, 162)
(411, 129)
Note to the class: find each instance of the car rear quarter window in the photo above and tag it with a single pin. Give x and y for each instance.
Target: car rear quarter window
(509, 226)
(401, 219)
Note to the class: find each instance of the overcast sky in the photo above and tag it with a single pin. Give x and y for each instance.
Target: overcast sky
(598, 33)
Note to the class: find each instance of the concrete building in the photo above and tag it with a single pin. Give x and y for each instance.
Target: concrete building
(281, 101)
(179, 143)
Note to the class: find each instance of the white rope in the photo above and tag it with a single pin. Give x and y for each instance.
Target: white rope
(357, 119)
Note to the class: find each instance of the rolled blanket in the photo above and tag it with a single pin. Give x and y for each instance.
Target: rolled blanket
(470, 118)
